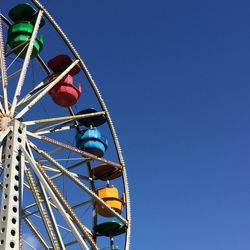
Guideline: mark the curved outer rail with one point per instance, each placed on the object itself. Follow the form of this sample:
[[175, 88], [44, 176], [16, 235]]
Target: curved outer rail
[[104, 107]]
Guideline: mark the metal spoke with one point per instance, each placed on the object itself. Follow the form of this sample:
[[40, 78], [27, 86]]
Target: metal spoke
[[69, 117], [32, 94], [53, 196], [16, 73], [26, 242], [73, 149], [36, 232], [21, 46], [17, 56], [78, 182], [46, 90], [69, 168], [43, 132], [41, 210], [55, 151], [52, 217], [39, 217], [26, 63]]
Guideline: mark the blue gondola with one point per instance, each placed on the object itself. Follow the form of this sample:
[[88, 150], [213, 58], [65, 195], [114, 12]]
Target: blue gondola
[[90, 141]]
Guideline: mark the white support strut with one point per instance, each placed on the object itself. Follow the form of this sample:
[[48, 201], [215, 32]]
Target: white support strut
[[12, 190], [26, 63], [47, 89], [55, 200]]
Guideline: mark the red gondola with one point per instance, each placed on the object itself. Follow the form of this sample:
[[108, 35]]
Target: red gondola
[[64, 93]]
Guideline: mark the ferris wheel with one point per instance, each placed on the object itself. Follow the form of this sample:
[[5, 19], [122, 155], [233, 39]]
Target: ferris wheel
[[63, 179]]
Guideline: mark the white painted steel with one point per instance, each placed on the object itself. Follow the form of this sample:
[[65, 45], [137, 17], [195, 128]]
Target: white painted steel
[[55, 200], [11, 195], [28, 101], [51, 214], [26, 63], [47, 89]]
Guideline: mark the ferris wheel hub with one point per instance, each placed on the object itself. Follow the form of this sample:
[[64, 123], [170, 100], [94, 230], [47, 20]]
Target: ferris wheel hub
[[4, 122]]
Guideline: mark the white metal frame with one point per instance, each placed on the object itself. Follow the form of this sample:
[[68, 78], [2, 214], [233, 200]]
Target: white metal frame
[[12, 189], [16, 155]]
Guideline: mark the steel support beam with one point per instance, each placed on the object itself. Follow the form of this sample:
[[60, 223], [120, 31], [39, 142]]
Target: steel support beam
[[12, 189]]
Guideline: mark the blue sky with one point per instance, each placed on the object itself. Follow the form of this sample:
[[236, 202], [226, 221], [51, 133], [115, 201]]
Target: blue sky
[[175, 76]]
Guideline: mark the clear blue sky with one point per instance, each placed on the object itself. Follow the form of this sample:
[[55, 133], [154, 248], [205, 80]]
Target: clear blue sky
[[176, 78]]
